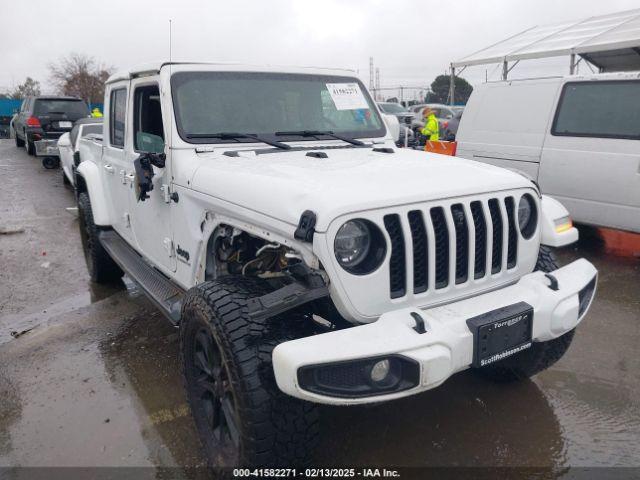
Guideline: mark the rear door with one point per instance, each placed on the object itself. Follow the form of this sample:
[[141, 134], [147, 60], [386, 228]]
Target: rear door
[[114, 162], [591, 156]]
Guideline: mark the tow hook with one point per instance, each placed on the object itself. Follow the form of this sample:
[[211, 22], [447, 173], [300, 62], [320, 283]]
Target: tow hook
[[420, 328], [553, 282]]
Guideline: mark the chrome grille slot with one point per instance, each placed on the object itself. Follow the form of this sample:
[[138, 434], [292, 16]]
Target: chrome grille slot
[[442, 246], [480, 224], [512, 245], [397, 269], [496, 221], [462, 242], [420, 255]]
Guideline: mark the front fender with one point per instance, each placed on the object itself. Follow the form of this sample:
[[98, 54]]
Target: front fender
[[557, 229], [99, 205]]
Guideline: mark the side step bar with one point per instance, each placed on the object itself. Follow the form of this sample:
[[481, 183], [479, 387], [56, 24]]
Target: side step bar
[[163, 292]]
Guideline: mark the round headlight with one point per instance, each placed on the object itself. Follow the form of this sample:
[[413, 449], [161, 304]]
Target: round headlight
[[352, 243], [527, 216], [360, 246]]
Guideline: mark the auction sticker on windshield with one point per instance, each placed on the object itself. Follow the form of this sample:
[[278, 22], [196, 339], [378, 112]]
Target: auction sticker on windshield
[[347, 96]]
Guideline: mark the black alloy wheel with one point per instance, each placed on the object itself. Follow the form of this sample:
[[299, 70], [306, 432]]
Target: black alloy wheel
[[212, 396]]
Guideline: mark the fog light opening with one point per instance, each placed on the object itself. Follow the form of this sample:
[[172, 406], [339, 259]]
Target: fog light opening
[[361, 377]]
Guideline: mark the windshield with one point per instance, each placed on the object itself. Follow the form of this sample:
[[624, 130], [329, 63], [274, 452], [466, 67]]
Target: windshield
[[457, 110], [265, 103], [75, 108], [392, 108]]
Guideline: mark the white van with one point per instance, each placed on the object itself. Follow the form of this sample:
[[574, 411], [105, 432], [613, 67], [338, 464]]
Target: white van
[[578, 136]]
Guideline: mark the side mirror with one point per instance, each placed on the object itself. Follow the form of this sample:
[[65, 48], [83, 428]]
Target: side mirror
[[144, 172], [149, 143], [393, 125]]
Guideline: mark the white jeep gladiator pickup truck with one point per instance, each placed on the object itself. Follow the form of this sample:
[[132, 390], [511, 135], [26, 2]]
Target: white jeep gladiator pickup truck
[[307, 260]]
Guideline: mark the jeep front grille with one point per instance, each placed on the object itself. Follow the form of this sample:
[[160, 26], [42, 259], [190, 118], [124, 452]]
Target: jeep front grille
[[459, 236]]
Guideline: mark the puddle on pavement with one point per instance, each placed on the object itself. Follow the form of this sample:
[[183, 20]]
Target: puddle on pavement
[[600, 420], [465, 422], [19, 322], [142, 359]]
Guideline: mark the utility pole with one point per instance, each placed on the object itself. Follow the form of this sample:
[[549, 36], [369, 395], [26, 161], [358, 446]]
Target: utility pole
[[377, 83], [452, 86], [371, 84]]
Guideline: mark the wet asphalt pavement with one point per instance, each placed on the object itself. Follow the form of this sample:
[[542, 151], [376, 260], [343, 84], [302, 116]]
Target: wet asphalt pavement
[[95, 380]]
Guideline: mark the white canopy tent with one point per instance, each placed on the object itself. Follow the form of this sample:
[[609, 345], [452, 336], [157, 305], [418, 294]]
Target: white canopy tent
[[610, 42]]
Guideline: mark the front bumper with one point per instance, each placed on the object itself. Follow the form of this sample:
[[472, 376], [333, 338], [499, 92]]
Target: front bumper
[[447, 345]]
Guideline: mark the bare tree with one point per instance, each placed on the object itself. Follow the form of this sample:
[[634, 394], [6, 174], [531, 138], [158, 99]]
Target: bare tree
[[28, 88], [81, 76]]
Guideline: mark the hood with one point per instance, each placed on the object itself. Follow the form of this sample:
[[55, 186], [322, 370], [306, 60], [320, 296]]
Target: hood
[[285, 184]]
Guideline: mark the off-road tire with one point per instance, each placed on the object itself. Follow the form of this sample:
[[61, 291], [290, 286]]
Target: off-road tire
[[101, 266], [274, 429], [541, 355], [19, 142], [547, 261]]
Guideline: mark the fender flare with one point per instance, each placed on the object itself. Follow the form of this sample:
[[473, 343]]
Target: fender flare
[[557, 229], [99, 205]]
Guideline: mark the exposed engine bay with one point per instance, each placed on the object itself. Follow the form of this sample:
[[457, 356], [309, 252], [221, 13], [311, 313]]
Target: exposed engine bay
[[235, 252]]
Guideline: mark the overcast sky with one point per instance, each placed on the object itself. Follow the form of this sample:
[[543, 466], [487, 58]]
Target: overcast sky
[[411, 41]]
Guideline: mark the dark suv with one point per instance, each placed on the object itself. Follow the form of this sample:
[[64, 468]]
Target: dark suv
[[45, 118]]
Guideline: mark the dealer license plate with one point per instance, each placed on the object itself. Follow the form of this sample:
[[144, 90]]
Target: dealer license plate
[[65, 124], [501, 333]]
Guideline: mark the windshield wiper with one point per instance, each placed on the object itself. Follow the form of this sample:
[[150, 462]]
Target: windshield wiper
[[316, 133], [236, 136]]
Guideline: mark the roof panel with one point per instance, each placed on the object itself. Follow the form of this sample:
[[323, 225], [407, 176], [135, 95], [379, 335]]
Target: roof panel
[[625, 36], [497, 52], [606, 32]]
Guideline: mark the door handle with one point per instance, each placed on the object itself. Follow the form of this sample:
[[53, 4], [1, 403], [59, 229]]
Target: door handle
[[109, 168]]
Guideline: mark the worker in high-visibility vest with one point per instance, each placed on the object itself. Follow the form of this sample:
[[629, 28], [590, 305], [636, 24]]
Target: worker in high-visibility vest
[[431, 128], [96, 113]]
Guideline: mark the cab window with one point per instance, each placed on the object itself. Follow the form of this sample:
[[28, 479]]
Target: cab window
[[117, 116]]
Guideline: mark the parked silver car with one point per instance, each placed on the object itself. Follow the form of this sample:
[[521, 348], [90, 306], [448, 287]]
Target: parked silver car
[[443, 113]]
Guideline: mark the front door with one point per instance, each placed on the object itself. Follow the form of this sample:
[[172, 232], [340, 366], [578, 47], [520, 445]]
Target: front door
[[150, 219]]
